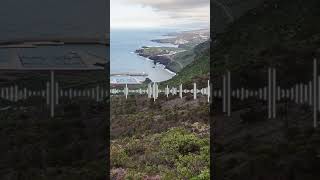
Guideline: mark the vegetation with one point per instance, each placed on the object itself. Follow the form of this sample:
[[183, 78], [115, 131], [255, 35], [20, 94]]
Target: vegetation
[[177, 58], [151, 139], [198, 70], [153, 51]]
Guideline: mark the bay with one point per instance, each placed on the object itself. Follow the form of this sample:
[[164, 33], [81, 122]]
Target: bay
[[124, 42]]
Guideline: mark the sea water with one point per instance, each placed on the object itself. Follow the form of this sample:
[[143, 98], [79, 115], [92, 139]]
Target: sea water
[[123, 59]]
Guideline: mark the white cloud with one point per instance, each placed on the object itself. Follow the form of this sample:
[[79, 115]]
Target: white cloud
[[198, 10], [149, 13], [172, 4]]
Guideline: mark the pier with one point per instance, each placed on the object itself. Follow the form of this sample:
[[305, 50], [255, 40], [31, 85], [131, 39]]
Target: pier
[[129, 74]]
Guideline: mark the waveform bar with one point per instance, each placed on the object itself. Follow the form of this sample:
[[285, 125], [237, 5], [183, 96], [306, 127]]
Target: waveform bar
[[153, 91], [226, 93], [15, 94], [300, 93], [315, 104]]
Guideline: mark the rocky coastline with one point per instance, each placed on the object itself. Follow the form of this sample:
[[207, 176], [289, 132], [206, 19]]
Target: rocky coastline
[[184, 41], [159, 57]]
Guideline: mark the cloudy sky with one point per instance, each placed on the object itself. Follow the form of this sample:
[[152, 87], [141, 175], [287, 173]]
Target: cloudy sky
[[150, 13], [23, 19]]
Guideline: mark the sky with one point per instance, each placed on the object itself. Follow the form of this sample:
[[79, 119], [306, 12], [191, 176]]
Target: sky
[[159, 13], [23, 19]]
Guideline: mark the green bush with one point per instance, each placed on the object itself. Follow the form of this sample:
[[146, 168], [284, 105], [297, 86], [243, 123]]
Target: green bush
[[135, 147], [118, 156], [178, 141], [204, 175], [133, 175], [188, 153]]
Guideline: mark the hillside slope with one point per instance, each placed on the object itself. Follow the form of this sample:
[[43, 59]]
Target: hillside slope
[[165, 139], [224, 12], [283, 34], [198, 70]]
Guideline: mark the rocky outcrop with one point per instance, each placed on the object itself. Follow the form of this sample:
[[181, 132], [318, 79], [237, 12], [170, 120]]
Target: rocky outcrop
[[165, 60], [140, 52], [157, 57]]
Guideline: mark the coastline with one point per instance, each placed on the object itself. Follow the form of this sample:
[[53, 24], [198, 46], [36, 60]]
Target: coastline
[[162, 65], [171, 72], [164, 60], [156, 59], [182, 41], [124, 59]]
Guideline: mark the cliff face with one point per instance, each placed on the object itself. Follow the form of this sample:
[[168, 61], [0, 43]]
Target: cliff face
[[198, 70], [160, 59]]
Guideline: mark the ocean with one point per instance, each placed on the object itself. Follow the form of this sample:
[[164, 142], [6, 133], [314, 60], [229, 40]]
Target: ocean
[[124, 42], [53, 57]]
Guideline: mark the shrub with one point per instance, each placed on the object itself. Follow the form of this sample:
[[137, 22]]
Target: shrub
[[134, 147], [178, 141], [133, 175], [204, 175], [118, 156], [188, 153]]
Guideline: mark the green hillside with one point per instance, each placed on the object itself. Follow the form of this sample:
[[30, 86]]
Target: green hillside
[[181, 60], [166, 139], [198, 69]]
